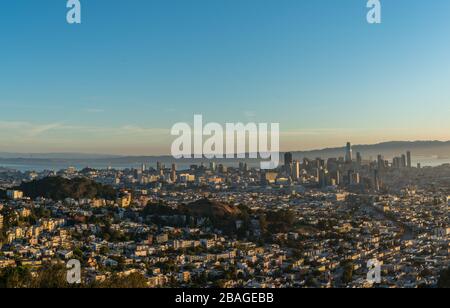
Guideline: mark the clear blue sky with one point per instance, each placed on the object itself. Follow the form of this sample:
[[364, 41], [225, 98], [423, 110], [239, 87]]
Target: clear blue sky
[[118, 82]]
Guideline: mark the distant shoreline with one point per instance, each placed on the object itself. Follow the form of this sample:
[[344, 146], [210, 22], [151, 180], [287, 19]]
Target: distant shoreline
[[427, 153], [182, 165]]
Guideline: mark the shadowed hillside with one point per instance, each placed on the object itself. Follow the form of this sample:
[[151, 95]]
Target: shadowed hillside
[[212, 209], [58, 188]]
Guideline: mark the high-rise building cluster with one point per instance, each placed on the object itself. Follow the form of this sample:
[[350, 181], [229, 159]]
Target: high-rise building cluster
[[343, 171], [403, 161]]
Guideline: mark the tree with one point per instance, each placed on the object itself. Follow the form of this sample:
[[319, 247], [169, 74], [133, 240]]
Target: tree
[[132, 281], [263, 223], [104, 250], [51, 277], [347, 275], [15, 277], [58, 188], [444, 279]]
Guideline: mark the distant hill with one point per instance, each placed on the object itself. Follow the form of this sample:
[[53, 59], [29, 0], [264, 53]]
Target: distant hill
[[430, 149], [387, 149], [58, 188]]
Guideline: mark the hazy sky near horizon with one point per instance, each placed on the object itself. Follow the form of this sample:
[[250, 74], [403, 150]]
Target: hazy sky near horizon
[[119, 81]]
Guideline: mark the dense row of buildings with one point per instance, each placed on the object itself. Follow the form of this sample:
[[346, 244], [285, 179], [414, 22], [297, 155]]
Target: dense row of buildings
[[341, 212]]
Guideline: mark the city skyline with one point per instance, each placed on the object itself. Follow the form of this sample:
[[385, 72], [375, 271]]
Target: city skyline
[[224, 151], [117, 83], [398, 146], [314, 223]]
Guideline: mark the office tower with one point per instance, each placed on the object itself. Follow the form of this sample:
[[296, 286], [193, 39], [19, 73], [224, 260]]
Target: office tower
[[359, 158], [323, 177], [173, 173], [348, 153], [380, 162], [296, 170], [397, 162], [403, 161], [317, 174], [288, 164], [376, 180], [287, 159], [213, 166], [349, 177], [143, 168], [408, 159]]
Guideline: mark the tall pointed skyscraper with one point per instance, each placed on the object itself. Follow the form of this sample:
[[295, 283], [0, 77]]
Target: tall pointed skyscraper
[[348, 153]]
